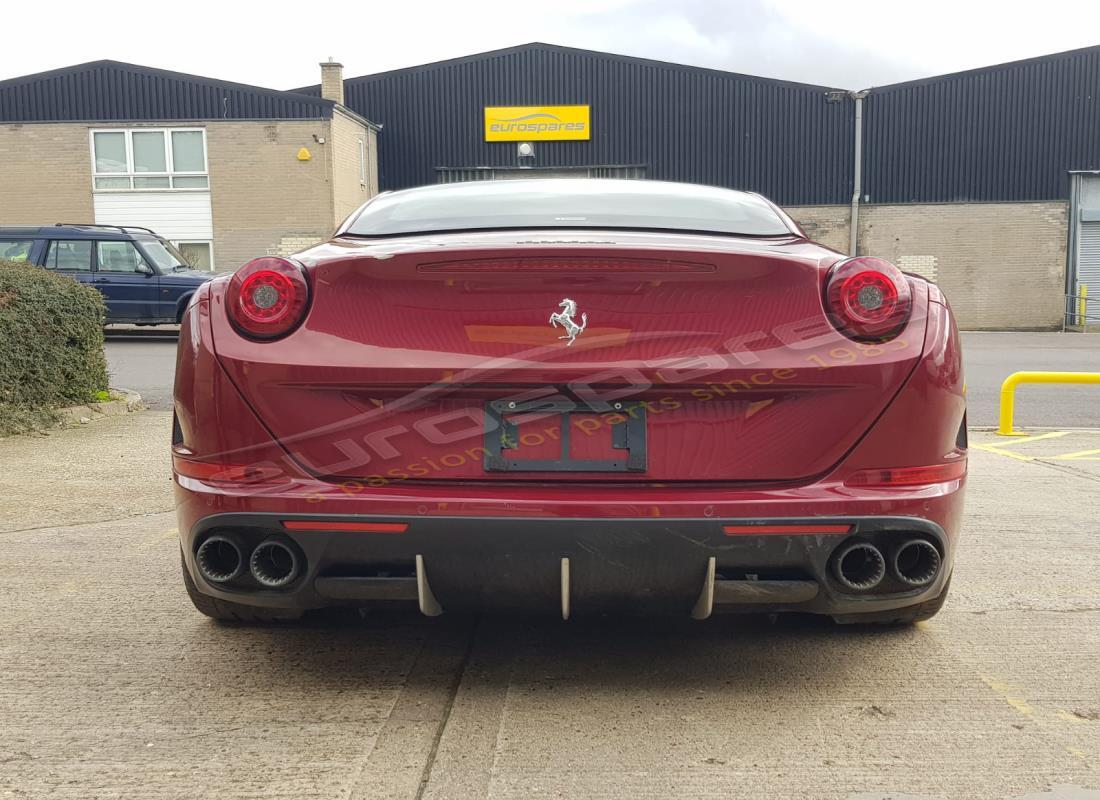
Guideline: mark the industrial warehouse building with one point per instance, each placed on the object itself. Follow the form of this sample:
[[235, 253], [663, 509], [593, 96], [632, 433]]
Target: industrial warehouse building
[[987, 181]]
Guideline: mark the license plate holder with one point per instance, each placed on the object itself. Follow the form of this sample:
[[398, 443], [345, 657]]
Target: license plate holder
[[501, 436]]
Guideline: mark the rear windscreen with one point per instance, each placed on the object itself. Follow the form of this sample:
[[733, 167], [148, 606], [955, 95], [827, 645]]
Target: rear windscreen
[[15, 249], [565, 203]]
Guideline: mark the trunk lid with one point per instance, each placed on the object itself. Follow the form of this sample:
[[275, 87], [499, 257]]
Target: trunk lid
[[721, 344]]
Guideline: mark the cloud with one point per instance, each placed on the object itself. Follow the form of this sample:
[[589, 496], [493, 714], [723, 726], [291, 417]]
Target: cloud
[[846, 43], [752, 37]]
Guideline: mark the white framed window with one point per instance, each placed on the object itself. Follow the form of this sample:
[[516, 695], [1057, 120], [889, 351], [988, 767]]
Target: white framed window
[[144, 159], [198, 255], [362, 162]]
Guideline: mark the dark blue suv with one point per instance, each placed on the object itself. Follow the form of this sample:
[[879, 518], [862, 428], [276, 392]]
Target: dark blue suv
[[142, 277]]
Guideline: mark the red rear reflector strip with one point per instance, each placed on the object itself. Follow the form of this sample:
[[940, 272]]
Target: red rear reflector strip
[[734, 529], [226, 473], [909, 476], [356, 527]]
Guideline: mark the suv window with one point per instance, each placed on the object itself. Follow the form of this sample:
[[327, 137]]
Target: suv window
[[118, 257], [70, 255], [15, 250], [162, 254]]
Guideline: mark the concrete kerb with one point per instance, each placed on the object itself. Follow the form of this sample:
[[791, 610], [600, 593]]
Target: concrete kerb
[[121, 401]]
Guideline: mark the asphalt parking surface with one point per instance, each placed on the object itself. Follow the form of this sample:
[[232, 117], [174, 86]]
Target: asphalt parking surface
[[113, 686], [143, 359], [989, 358]]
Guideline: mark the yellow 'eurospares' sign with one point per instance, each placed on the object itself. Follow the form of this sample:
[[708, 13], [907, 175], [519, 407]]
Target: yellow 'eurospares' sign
[[536, 123]]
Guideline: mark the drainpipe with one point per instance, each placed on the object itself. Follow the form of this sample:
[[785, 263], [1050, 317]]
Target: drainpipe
[[857, 177]]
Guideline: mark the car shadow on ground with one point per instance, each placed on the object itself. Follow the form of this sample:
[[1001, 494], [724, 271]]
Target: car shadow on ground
[[727, 651]]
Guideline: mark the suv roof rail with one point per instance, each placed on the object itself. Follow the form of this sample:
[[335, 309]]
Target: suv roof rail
[[122, 228]]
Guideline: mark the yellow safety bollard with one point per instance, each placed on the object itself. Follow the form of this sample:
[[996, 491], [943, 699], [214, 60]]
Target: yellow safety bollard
[[1083, 306], [1008, 391]]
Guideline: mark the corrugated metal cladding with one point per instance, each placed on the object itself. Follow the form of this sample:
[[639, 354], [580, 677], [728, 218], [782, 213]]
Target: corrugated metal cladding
[[681, 123], [108, 90], [1004, 133]]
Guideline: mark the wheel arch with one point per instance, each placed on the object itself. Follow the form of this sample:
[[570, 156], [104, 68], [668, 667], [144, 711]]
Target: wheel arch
[[182, 303]]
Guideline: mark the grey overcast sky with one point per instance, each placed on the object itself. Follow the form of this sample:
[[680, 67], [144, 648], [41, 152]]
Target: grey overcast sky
[[846, 43]]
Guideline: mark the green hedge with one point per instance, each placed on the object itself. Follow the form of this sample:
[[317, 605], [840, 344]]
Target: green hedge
[[51, 344]]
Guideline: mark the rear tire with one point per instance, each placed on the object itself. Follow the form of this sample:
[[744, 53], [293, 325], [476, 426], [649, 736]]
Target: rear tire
[[226, 611], [909, 615]]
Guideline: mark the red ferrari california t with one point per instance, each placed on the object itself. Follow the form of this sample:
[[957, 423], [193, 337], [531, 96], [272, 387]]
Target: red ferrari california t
[[570, 396]]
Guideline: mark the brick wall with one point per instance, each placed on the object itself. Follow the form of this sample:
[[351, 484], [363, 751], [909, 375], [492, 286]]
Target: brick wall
[[827, 225], [261, 194], [45, 174], [1002, 265], [332, 81], [348, 187], [294, 243]]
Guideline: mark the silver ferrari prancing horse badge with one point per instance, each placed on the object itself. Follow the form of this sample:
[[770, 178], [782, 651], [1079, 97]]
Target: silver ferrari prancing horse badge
[[565, 319]]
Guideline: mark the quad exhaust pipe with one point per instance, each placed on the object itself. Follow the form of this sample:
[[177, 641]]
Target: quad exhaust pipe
[[916, 562], [274, 564], [220, 558], [859, 566]]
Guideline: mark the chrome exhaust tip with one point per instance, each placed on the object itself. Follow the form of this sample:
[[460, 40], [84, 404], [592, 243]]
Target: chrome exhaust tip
[[859, 566], [916, 562], [274, 564], [220, 558]]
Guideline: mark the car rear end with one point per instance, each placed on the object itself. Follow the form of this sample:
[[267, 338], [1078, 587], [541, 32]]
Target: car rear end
[[750, 424]]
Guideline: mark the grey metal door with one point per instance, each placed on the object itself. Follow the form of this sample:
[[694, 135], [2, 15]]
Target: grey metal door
[[1088, 264]]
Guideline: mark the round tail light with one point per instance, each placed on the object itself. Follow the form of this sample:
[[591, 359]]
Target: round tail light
[[267, 298], [867, 299]]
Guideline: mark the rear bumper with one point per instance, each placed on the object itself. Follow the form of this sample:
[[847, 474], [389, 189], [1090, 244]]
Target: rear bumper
[[572, 565]]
